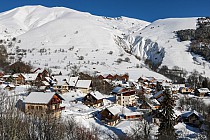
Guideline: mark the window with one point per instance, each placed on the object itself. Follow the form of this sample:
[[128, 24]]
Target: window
[[32, 107], [40, 107]]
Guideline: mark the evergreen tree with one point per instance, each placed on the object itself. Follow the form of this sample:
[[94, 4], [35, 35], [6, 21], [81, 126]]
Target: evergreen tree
[[166, 129], [205, 83]]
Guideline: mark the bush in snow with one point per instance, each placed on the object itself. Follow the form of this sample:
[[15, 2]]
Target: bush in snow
[[119, 60], [127, 59], [111, 52], [81, 58]]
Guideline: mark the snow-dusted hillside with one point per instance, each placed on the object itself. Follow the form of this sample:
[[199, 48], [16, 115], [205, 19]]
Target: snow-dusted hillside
[[58, 38], [159, 43]]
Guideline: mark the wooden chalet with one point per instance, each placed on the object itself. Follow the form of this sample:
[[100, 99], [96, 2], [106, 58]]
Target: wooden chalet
[[185, 90], [31, 79], [101, 77], [201, 92], [110, 116], [176, 87], [61, 85], [109, 77], [93, 99], [20, 80], [149, 104], [41, 103], [191, 118], [146, 79], [84, 85], [133, 115], [1, 74]]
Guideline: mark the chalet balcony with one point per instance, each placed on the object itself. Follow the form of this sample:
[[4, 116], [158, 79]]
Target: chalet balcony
[[55, 102], [107, 120], [55, 110]]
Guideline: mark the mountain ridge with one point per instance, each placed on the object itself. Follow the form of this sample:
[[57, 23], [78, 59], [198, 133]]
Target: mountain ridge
[[58, 30]]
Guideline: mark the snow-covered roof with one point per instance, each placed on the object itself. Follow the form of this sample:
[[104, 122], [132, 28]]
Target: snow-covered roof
[[114, 110], [83, 83], [159, 80], [177, 86], [15, 75], [203, 90], [42, 87], [188, 113], [30, 76], [157, 94], [164, 84], [155, 102], [97, 95], [61, 80], [48, 79], [6, 76], [40, 97], [7, 85], [45, 83], [72, 81], [128, 112], [117, 89], [160, 99]]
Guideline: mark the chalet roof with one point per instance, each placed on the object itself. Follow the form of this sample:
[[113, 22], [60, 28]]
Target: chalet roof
[[177, 86], [128, 112], [45, 83], [6, 76], [83, 83], [165, 84], [159, 80], [97, 95], [42, 87], [114, 110], [15, 75], [155, 102], [7, 85], [73, 81], [30, 76], [61, 80], [160, 99], [150, 78], [203, 90], [158, 93], [40, 97], [48, 79], [117, 89], [127, 93], [189, 113]]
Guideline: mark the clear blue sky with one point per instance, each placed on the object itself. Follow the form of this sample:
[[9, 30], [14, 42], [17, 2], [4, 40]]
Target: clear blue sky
[[148, 10]]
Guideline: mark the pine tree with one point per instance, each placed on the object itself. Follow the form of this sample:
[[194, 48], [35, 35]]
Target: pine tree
[[166, 129]]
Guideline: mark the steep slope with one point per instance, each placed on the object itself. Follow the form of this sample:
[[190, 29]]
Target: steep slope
[[58, 38], [159, 43]]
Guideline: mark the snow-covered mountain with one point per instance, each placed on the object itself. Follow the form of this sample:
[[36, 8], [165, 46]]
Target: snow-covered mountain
[[60, 37]]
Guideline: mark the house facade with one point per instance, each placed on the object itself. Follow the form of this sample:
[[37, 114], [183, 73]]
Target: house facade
[[93, 99], [201, 92], [40, 103], [192, 118], [127, 98], [84, 85], [110, 116]]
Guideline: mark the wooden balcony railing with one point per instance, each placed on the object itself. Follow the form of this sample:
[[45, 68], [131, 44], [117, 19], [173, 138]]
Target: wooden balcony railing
[[55, 110]]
